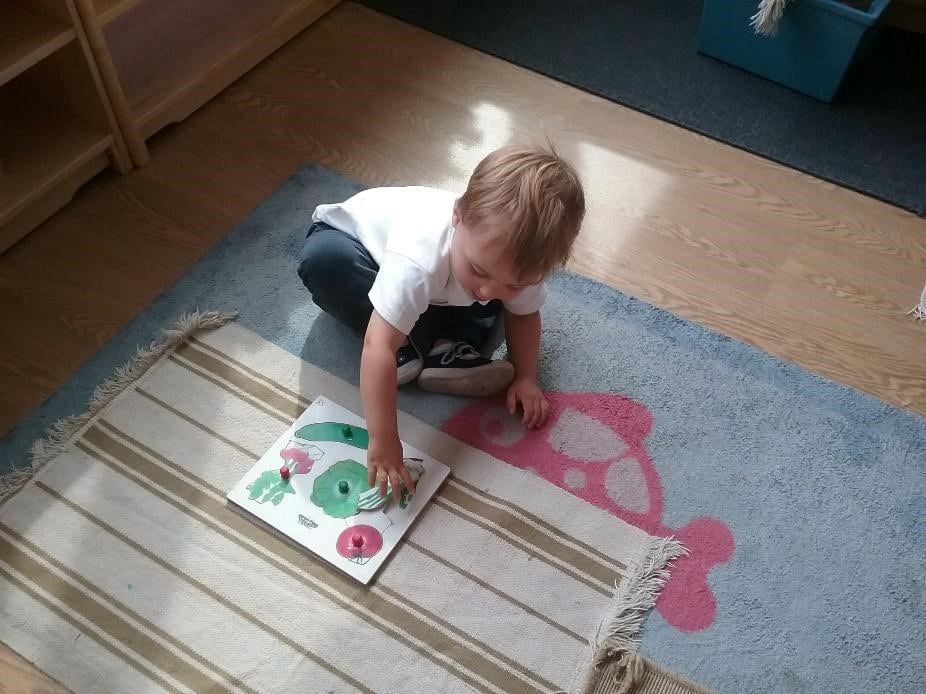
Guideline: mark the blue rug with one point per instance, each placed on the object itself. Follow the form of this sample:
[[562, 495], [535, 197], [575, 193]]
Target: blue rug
[[802, 501]]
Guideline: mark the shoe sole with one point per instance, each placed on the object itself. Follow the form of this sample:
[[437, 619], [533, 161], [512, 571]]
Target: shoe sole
[[408, 372], [476, 382]]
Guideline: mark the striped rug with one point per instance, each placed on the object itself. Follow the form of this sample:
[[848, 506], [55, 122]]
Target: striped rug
[[123, 570]]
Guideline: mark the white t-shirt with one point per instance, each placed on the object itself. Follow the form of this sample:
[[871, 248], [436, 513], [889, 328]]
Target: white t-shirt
[[408, 232]]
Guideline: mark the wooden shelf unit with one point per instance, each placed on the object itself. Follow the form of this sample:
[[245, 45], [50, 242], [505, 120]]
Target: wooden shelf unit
[[42, 146], [108, 10], [27, 36], [119, 70], [57, 128], [172, 56]]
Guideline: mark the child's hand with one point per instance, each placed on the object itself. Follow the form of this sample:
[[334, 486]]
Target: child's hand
[[533, 402], [384, 465]]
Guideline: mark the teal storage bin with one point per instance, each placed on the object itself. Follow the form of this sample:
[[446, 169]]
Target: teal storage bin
[[817, 41]]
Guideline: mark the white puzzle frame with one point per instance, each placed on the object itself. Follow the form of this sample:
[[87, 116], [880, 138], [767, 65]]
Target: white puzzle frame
[[329, 533]]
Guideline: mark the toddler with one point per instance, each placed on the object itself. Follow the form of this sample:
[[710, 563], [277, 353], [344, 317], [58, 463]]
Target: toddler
[[424, 274]]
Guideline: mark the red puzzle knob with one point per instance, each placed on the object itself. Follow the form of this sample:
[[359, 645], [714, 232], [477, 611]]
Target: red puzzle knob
[[359, 543], [284, 472]]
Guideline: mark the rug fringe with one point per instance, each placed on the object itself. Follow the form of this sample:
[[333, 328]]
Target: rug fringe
[[61, 432], [634, 598], [919, 312]]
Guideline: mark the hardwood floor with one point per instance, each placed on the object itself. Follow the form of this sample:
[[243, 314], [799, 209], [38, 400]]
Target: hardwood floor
[[17, 676], [807, 271]]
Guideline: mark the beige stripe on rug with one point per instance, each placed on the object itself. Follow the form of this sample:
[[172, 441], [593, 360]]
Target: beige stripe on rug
[[123, 570]]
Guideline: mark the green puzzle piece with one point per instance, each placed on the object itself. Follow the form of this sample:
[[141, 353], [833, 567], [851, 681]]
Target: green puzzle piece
[[337, 490], [270, 487], [335, 431]]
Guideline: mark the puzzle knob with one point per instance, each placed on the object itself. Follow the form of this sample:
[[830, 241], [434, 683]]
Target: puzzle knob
[[347, 431], [357, 540], [284, 472], [343, 487]]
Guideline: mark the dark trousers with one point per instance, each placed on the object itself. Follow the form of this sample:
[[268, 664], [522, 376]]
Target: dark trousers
[[339, 273]]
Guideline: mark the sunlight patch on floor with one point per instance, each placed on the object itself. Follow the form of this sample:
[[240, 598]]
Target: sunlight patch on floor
[[492, 127]]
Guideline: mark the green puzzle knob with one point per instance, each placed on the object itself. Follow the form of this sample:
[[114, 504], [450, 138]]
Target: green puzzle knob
[[343, 487]]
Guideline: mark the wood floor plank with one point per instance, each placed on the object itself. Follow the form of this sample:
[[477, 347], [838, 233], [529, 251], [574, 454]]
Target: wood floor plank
[[18, 676]]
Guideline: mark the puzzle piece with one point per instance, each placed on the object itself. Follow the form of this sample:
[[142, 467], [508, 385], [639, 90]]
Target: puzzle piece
[[338, 488], [371, 500], [270, 487], [335, 432]]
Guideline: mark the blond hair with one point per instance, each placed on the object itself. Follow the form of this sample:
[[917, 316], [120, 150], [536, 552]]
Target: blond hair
[[536, 200]]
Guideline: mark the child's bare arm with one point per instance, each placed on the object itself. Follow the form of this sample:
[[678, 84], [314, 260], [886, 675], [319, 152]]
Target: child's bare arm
[[523, 336], [378, 393]]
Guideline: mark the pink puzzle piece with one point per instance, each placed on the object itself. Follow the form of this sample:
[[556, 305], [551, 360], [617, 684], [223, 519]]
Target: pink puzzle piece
[[594, 446]]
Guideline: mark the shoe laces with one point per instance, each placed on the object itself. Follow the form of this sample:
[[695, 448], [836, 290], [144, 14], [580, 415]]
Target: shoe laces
[[459, 350]]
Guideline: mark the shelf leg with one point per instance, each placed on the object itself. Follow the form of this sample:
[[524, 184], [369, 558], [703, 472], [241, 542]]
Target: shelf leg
[[133, 140]]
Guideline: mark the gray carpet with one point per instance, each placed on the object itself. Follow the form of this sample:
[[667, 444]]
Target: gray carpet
[[643, 54], [803, 502]]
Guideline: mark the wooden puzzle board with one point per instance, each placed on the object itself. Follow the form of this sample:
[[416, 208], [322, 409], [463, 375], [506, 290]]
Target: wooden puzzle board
[[324, 502]]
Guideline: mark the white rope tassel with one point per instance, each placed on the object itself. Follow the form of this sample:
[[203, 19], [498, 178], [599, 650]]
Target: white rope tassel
[[634, 598], [919, 312], [765, 21]]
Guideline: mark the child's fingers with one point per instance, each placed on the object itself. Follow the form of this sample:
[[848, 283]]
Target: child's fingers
[[541, 411], [537, 414], [544, 411], [512, 400], [396, 481], [528, 406], [383, 479]]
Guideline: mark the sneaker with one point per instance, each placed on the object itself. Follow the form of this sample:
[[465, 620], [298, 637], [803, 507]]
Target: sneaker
[[458, 369], [408, 363]]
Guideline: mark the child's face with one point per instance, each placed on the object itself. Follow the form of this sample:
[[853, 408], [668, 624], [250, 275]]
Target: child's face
[[479, 262]]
